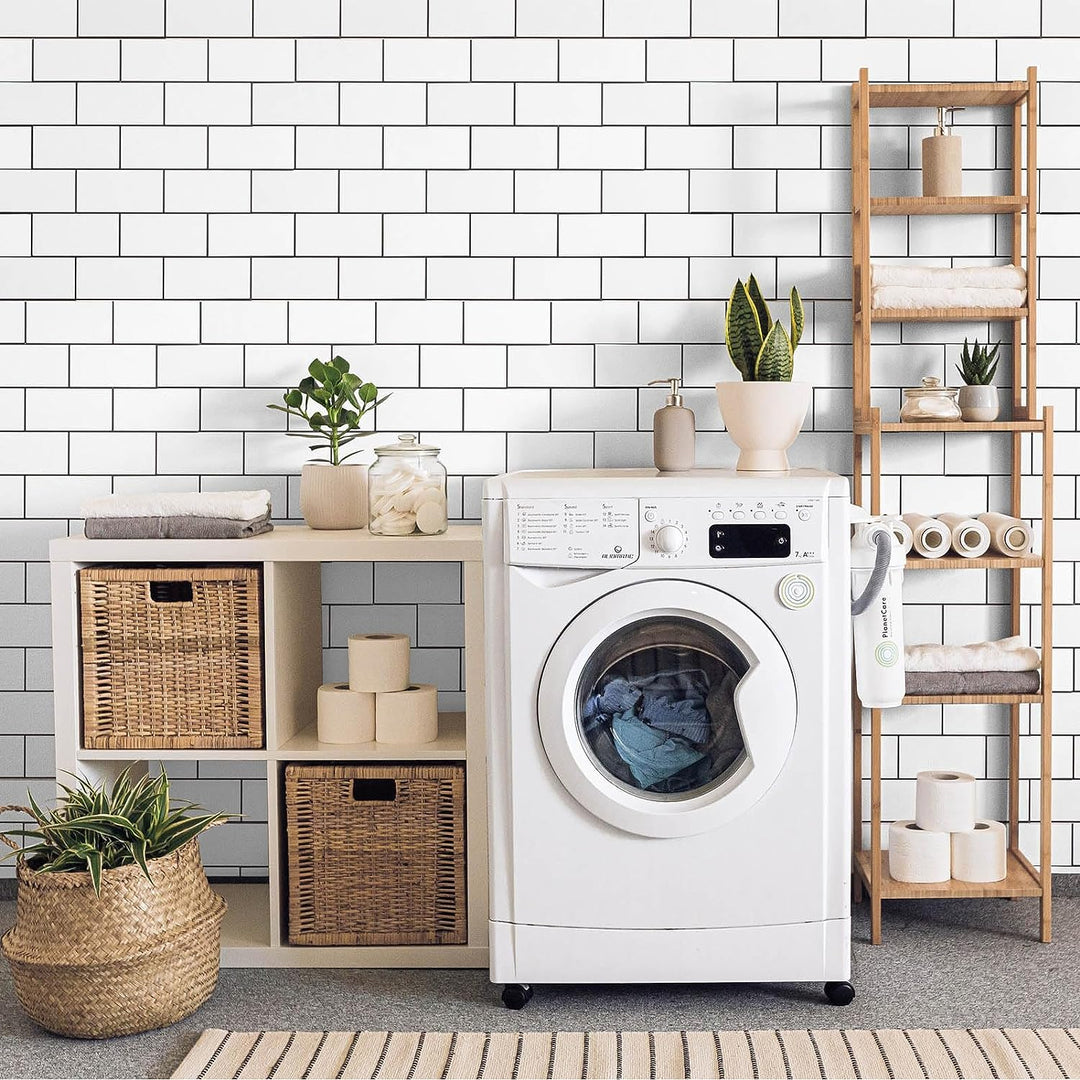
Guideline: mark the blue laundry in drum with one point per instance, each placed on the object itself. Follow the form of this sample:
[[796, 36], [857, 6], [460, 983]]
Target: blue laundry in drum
[[651, 754], [687, 718], [616, 697]]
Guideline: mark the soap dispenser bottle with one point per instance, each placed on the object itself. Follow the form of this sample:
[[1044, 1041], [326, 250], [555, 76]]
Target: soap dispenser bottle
[[673, 431]]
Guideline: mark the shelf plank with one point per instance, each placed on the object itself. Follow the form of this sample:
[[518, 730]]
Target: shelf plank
[[905, 205], [986, 562], [956, 314], [191, 754], [1018, 881], [973, 699], [926, 95], [449, 746], [866, 427]]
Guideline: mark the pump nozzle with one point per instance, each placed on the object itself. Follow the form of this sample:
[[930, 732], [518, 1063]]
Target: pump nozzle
[[674, 398]]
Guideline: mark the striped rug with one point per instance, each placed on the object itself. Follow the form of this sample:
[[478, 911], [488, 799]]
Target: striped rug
[[996, 1053]]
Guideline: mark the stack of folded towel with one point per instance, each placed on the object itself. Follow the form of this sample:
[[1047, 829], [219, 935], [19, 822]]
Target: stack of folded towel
[[185, 515], [945, 287], [988, 667]]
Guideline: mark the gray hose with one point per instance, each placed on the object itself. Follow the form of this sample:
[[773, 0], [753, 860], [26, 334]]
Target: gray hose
[[877, 576]]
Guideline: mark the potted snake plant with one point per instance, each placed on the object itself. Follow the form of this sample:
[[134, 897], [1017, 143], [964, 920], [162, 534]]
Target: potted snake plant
[[978, 396], [764, 410], [117, 930]]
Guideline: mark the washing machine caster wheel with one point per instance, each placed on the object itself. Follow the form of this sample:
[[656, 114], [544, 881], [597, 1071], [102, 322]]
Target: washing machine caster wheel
[[517, 995], [840, 993]]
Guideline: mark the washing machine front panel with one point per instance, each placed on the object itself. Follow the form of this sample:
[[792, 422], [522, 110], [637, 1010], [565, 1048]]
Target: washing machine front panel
[[666, 708]]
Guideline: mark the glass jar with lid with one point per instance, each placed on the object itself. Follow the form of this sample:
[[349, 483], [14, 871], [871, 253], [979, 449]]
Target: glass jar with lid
[[407, 489], [930, 402]]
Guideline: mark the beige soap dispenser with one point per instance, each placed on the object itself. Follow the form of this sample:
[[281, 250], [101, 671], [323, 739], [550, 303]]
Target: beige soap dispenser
[[942, 156], [673, 431]]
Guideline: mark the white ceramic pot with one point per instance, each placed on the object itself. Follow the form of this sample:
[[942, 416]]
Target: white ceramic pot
[[334, 496], [979, 403], [763, 420]]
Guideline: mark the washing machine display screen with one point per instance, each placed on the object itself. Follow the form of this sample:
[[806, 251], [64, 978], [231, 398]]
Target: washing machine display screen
[[749, 541]]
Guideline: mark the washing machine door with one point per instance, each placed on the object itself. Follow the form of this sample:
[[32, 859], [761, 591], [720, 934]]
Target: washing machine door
[[667, 708]]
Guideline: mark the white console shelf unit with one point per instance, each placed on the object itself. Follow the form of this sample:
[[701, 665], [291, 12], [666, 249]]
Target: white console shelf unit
[[255, 932]]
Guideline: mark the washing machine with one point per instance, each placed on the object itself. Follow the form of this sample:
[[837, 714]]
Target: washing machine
[[668, 717]]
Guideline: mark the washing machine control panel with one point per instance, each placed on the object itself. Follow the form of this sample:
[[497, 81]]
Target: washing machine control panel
[[573, 532]]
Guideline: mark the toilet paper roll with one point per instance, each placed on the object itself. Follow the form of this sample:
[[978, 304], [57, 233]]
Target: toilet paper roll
[[917, 855], [902, 531], [978, 854], [970, 537], [945, 801], [344, 715], [378, 663], [1008, 535], [928, 536], [409, 716]]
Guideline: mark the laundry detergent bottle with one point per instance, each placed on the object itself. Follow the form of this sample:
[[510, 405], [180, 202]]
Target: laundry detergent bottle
[[878, 619], [673, 431]]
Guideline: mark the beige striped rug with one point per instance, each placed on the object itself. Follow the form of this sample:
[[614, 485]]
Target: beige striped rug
[[995, 1053]]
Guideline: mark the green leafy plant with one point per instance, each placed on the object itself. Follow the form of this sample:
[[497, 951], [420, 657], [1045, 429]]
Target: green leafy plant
[[94, 829], [762, 350], [332, 401], [978, 366]]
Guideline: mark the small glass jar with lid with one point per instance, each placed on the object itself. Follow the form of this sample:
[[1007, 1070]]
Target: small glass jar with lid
[[407, 489], [930, 402]]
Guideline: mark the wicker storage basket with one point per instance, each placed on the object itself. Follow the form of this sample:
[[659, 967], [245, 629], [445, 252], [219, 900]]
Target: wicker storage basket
[[171, 657], [376, 854], [140, 956]]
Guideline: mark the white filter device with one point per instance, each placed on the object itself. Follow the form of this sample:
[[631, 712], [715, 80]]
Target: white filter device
[[879, 624]]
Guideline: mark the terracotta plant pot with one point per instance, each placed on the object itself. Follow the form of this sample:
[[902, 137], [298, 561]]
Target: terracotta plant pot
[[334, 496], [763, 420], [979, 404]]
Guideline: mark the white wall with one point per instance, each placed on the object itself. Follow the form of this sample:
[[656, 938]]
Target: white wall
[[512, 216]]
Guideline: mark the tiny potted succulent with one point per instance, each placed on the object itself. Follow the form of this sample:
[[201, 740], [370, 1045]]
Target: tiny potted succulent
[[116, 930], [978, 396], [331, 402], [764, 412]]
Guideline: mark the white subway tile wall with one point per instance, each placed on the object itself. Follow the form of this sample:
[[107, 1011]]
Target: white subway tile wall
[[513, 215]]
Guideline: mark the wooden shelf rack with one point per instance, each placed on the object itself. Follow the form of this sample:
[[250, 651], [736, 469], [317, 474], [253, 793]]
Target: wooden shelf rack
[[871, 865]]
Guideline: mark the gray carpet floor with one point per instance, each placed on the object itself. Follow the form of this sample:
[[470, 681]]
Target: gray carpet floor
[[953, 963]]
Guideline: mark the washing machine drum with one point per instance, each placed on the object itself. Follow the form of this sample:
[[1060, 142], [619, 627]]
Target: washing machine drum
[[667, 708]]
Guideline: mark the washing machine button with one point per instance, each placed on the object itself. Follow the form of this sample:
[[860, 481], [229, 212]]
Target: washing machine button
[[795, 591], [780, 515], [650, 515], [718, 515], [804, 515], [739, 515], [759, 515]]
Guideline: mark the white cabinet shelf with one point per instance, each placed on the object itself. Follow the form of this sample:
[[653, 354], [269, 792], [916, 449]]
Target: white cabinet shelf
[[255, 933]]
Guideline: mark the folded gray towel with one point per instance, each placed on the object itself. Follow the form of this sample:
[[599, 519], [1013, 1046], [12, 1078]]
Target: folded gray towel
[[937, 683], [176, 527]]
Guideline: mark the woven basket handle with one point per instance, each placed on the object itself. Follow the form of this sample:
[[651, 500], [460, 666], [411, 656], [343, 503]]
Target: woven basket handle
[[22, 810]]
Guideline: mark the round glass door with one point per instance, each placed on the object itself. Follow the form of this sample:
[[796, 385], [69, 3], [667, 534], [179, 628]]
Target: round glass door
[[656, 707]]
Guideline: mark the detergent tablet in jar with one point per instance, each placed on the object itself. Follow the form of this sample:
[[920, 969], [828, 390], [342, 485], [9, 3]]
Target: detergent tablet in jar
[[407, 489]]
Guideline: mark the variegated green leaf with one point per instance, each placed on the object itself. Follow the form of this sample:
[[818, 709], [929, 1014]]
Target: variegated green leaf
[[774, 361], [742, 330], [753, 289], [798, 319]]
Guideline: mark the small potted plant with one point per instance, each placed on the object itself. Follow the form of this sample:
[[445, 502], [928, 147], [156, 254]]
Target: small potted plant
[[117, 930], [331, 401], [978, 396], [764, 412]]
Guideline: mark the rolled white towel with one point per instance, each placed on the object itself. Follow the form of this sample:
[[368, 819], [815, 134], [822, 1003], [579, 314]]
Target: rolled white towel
[[907, 297], [234, 505], [1008, 654], [948, 277]]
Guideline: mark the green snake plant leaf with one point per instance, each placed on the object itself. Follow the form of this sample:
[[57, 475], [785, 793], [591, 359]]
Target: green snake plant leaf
[[742, 331], [798, 319], [760, 306], [774, 361]]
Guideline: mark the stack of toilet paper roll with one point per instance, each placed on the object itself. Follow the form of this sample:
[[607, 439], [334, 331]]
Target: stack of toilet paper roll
[[379, 702], [966, 535], [946, 840]]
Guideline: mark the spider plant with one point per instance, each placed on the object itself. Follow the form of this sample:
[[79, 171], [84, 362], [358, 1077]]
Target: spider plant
[[94, 829]]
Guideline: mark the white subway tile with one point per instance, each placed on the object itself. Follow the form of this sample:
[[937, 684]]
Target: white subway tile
[[13, 323], [163, 234], [209, 18], [715, 18], [294, 103], [423, 321], [426, 148], [44, 18], [141, 321], [383, 103], [75, 60], [471, 18], [208, 103], [339, 60], [113, 365], [17, 60], [15, 147], [777, 148], [992, 18], [588, 409], [37, 278], [112, 452], [156, 410], [507, 321], [76, 234], [122, 18], [250, 234], [696, 60], [514, 148], [299, 278], [68, 410], [251, 148], [813, 190], [338, 234], [469, 278], [732, 103], [689, 147], [549, 450], [550, 365], [199, 365], [411, 410], [363, 18], [426, 60], [682, 321], [507, 410], [601, 148], [284, 18], [930, 58], [77, 147], [163, 60], [338, 147], [33, 365], [426, 234], [121, 103], [385, 190], [586, 321], [202, 191], [309, 191], [253, 60], [48, 452], [601, 234], [635, 365], [15, 234], [555, 103], [62, 496], [470, 103], [649, 278], [379, 279], [759, 59], [463, 365], [919, 18], [560, 278], [839, 18], [336, 320], [643, 18], [161, 148], [688, 234], [120, 279], [639, 191], [203, 451], [612, 60], [68, 321], [243, 321], [208, 279], [461, 191], [775, 234], [560, 18], [646, 103], [508, 60], [514, 234], [1060, 18], [841, 60]]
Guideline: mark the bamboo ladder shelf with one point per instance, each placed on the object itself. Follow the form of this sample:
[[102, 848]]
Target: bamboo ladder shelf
[[871, 865]]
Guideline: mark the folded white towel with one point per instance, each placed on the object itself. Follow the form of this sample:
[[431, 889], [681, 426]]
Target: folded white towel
[[907, 297], [1008, 654], [235, 505], [948, 277]]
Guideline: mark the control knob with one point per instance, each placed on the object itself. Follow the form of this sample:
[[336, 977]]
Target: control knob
[[669, 539]]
